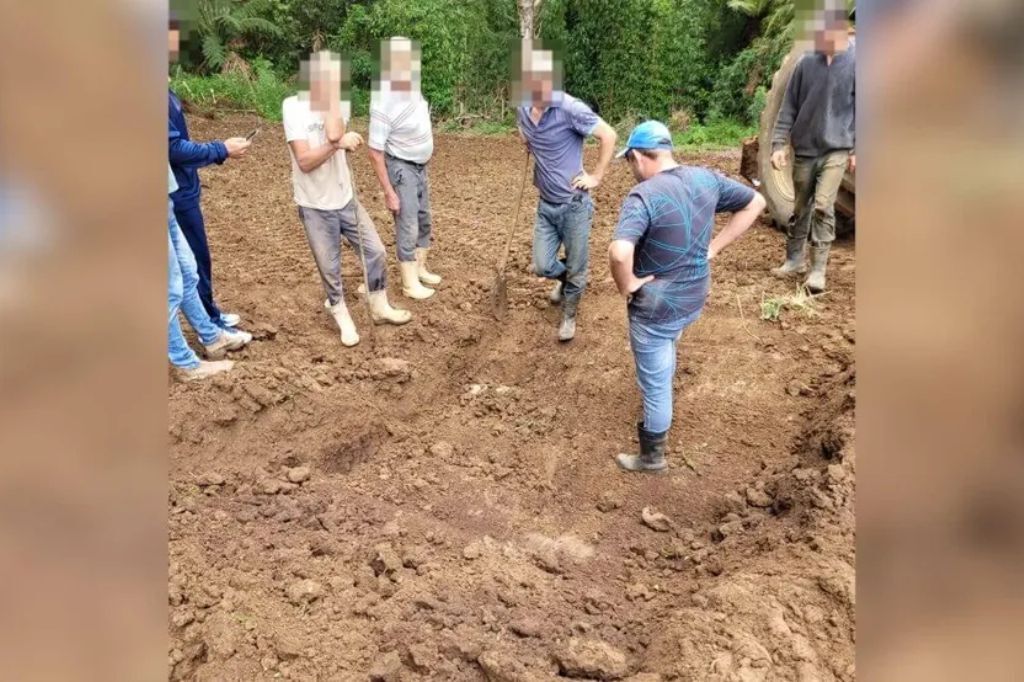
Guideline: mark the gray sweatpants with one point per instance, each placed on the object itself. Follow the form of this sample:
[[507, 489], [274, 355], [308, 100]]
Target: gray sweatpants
[[412, 224], [324, 230]]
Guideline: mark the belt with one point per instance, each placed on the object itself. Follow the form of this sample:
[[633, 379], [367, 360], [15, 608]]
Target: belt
[[411, 163]]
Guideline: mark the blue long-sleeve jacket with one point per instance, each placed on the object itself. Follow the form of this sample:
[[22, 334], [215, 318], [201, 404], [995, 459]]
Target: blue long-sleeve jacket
[[186, 156]]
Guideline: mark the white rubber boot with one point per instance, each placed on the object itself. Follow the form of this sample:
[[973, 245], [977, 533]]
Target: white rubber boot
[[382, 312], [349, 336], [426, 276], [411, 285]]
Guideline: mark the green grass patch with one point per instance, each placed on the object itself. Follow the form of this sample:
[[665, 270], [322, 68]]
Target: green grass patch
[[478, 127], [263, 92], [714, 135]]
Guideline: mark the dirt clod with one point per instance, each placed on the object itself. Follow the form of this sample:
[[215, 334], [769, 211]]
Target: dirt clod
[[593, 659], [655, 520], [387, 668], [442, 450], [385, 560], [499, 666], [222, 635], [758, 498], [287, 647], [211, 478], [298, 474], [304, 591], [392, 368], [609, 501]]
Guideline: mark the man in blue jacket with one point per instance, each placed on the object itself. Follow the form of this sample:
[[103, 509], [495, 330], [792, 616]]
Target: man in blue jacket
[[186, 158]]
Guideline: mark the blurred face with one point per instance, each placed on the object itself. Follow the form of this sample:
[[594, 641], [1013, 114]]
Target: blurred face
[[173, 44], [400, 69], [324, 81], [833, 38], [540, 85]]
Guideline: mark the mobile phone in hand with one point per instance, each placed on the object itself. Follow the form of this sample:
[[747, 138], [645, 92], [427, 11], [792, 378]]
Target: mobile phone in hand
[[252, 134]]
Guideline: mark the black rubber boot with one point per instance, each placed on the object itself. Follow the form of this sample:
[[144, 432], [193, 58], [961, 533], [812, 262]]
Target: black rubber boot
[[815, 282], [796, 259], [652, 453], [556, 294]]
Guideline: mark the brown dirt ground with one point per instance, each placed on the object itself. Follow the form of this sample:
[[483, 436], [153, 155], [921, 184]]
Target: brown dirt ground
[[463, 518]]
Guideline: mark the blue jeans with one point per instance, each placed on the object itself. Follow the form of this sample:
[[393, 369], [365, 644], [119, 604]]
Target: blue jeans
[[654, 351], [183, 294], [190, 219], [564, 224]]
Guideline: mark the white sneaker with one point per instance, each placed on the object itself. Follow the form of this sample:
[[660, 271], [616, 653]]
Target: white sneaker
[[229, 339], [339, 311], [205, 370], [230, 319], [411, 285], [382, 312], [425, 275]]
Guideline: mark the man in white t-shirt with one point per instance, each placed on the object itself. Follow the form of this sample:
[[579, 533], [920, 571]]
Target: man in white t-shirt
[[314, 127], [401, 144]]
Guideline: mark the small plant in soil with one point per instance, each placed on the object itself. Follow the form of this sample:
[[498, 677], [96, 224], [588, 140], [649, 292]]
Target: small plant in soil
[[799, 301]]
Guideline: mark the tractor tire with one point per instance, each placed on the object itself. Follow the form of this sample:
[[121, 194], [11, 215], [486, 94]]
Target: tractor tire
[[777, 185]]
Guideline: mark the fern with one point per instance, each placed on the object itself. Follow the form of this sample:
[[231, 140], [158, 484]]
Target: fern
[[213, 50]]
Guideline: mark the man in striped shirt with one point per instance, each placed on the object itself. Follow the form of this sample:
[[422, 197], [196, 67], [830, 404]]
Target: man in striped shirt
[[401, 143]]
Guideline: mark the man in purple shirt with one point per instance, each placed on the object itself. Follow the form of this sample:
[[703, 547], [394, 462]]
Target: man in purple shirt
[[554, 125]]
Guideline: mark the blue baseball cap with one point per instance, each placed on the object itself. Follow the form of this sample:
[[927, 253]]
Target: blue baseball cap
[[648, 135]]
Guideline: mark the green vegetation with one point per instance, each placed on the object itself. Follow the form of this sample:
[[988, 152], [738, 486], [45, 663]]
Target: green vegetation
[[224, 26], [701, 65], [261, 91], [717, 134], [799, 301]]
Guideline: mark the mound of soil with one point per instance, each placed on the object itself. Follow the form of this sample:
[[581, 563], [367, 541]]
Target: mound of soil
[[444, 504]]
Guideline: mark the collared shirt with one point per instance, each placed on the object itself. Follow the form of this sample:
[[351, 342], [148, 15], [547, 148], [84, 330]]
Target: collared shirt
[[400, 126], [818, 114], [556, 142], [669, 218]]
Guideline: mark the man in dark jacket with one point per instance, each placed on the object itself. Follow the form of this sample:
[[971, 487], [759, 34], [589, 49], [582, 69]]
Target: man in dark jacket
[[817, 118], [186, 158]]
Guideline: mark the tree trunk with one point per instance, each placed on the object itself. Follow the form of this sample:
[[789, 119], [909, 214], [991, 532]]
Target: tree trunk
[[528, 10]]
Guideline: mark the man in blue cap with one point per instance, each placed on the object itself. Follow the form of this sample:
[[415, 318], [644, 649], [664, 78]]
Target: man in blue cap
[[660, 259]]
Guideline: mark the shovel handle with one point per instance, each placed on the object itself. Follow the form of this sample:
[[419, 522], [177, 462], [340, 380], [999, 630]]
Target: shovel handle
[[515, 221], [362, 251]]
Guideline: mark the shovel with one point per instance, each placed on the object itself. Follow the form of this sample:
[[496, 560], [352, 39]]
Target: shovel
[[361, 216], [499, 292]]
